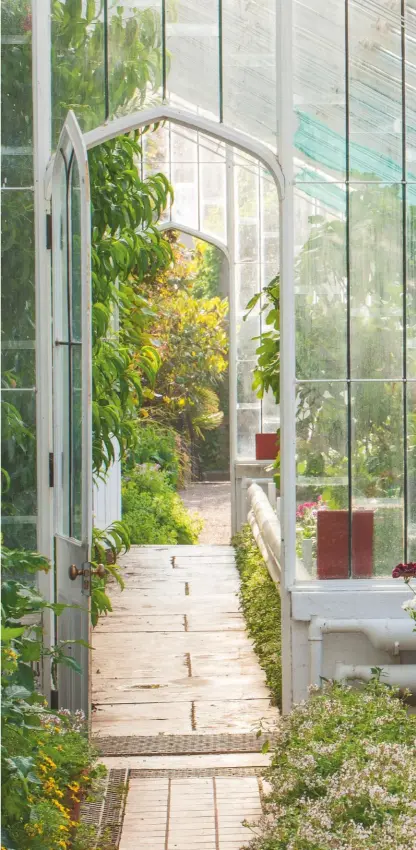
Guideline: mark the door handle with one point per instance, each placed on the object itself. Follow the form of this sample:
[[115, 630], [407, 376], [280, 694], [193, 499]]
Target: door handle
[[74, 571]]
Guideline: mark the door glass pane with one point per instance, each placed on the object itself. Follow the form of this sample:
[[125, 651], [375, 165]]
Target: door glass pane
[[75, 254], [76, 353], [76, 442]]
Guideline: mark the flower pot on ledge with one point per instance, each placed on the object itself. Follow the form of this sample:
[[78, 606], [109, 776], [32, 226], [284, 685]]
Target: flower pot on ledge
[[267, 446], [333, 544]]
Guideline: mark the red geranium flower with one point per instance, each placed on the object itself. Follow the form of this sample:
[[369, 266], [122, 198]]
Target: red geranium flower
[[403, 570]]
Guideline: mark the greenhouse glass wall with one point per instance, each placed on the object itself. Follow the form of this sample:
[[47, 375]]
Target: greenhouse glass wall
[[288, 132]]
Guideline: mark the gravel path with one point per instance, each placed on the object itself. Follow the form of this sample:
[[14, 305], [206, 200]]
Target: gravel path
[[213, 503]]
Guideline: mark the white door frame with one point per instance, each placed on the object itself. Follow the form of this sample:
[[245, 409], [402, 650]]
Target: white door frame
[[284, 186]]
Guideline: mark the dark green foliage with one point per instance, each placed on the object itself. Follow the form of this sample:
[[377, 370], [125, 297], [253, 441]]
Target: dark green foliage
[[260, 600], [127, 249], [156, 444], [154, 513]]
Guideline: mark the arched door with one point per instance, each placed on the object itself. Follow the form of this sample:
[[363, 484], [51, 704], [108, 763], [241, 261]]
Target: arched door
[[71, 339]]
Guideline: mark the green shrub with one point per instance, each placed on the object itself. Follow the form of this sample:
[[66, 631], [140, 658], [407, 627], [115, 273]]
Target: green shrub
[[154, 513], [47, 762], [260, 600], [160, 445], [343, 775]]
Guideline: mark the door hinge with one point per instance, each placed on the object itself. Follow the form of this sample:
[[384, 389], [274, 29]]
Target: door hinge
[[51, 466], [49, 231]]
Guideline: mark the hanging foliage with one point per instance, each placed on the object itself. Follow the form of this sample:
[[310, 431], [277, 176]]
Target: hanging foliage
[[127, 249]]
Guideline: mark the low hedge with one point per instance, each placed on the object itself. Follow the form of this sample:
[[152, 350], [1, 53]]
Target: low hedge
[[260, 600], [154, 513], [343, 775]]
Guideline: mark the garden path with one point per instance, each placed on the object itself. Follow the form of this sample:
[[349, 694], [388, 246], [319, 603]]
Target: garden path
[[178, 696], [213, 502]]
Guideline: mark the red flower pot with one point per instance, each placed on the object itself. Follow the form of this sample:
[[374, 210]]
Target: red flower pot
[[267, 446], [333, 546]]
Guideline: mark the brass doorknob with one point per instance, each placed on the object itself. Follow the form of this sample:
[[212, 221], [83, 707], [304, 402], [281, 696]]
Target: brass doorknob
[[75, 571]]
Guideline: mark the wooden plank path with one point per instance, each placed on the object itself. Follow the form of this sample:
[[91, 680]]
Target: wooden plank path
[[172, 663]]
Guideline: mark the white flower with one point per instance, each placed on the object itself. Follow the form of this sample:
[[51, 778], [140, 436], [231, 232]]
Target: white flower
[[410, 604]]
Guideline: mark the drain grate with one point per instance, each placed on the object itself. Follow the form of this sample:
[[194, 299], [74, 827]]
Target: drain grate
[[181, 745], [142, 773], [106, 815]]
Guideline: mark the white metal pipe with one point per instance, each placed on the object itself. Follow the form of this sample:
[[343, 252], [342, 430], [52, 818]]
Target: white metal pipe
[[399, 675], [390, 635]]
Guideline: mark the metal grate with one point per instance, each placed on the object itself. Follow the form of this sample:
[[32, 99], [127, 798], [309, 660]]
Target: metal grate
[[106, 814], [178, 745], [172, 773]]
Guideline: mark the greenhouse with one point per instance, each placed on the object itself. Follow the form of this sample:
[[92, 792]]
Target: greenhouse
[[208, 419]]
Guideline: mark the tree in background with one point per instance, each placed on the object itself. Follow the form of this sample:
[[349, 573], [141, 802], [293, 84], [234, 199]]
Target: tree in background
[[190, 333]]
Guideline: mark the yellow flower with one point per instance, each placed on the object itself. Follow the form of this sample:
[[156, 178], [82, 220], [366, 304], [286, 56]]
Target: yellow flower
[[62, 844], [63, 827], [74, 786], [50, 762], [61, 808]]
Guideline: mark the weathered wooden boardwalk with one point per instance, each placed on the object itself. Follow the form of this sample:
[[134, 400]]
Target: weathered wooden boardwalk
[[178, 696]]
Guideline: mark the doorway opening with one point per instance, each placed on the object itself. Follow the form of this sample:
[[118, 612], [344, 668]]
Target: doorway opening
[[227, 200]]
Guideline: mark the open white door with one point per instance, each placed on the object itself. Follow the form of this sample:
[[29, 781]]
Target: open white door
[[72, 421]]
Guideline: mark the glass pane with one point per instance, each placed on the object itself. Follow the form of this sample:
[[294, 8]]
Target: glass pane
[[77, 64], [246, 337], [18, 449], [322, 481], [20, 533], [134, 55], [76, 443], [183, 144], [410, 89], [248, 425], [16, 67], [411, 287], [156, 146], [411, 469], [245, 392], [320, 288], [212, 199], [319, 90], [192, 42], [62, 389], [18, 364], [76, 281], [269, 203], [376, 269], [249, 75], [377, 466], [247, 284], [17, 251], [375, 97]]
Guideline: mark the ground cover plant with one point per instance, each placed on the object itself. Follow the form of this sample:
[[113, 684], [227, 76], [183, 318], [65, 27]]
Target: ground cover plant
[[260, 601], [47, 762], [153, 512], [343, 775]]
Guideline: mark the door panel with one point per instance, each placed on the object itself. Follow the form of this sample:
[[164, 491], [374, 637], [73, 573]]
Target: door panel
[[71, 276]]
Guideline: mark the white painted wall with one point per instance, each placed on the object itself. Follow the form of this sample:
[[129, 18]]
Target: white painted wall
[[107, 498]]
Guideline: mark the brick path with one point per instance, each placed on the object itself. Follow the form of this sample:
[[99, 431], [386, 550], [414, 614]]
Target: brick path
[[178, 696]]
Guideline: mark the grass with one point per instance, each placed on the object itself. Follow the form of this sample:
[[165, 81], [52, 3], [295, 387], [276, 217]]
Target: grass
[[260, 600]]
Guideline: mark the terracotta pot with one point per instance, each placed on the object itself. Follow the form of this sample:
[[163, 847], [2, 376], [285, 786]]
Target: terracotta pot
[[333, 545], [267, 446]]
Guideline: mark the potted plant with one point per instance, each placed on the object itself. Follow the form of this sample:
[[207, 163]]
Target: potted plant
[[333, 544], [267, 446]]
